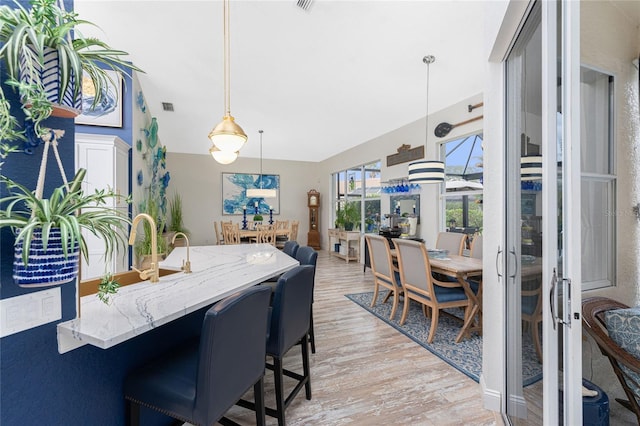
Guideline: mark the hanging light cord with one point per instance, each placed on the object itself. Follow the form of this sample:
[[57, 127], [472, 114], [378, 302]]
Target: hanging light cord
[[429, 59], [227, 79], [260, 131]]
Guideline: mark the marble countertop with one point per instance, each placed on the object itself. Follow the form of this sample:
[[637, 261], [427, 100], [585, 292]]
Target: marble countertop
[[218, 271]]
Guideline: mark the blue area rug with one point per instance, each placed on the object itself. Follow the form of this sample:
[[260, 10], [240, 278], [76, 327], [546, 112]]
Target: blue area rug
[[465, 356]]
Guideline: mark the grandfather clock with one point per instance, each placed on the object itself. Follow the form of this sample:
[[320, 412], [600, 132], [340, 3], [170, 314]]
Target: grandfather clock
[[313, 202]]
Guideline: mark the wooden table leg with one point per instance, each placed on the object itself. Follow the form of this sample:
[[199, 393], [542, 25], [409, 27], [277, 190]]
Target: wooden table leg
[[474, 308]]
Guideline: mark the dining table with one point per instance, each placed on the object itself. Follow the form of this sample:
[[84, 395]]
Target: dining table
[[253, 233], [462, 268]]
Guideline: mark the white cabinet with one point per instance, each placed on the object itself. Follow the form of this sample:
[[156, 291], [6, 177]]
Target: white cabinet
[[106, 158]]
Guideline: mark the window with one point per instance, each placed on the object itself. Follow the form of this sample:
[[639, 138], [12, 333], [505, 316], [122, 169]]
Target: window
[[463, 185], [598, 180], [359, 184]]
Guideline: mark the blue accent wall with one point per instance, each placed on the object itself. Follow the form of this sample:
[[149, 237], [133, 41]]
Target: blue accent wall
[[39, 386]]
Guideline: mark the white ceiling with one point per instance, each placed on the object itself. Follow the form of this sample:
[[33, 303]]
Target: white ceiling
[[317, 82]]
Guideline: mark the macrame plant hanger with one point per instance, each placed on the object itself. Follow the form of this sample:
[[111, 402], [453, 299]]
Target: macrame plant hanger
[[50, 140]]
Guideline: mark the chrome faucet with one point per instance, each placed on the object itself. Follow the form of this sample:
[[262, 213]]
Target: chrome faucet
[[186, 266], [153, 273]]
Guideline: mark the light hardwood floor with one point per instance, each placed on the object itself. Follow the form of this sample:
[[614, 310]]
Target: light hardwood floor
[[366, 373]]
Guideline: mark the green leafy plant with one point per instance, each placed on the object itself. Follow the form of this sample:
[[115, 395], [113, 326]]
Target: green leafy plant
[[68, 209], [176, 224], [25, 36], [351, 211], [258, 218], [143, 246], [107, 288]]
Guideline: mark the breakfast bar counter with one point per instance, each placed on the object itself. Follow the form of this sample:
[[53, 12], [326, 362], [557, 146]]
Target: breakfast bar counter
[[218, 271]]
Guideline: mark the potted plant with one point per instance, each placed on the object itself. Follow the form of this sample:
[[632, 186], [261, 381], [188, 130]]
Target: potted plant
[[49, 231], [351, 211], [176, 222], [143, 246], [107, 288], [38, 40]]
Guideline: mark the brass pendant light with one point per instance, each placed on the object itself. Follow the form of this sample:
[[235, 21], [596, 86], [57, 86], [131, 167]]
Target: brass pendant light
[[227, 136]]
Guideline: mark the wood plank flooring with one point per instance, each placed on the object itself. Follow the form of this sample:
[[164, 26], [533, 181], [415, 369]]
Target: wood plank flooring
[[366, 373]]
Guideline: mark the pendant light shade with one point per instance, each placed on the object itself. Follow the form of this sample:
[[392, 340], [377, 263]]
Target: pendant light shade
[[223, 157], [227, 136], [531, 167], [261, 192], [427, 171]]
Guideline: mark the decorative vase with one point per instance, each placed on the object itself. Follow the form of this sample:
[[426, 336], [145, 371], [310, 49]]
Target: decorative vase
[[48, 76], [45, 267]]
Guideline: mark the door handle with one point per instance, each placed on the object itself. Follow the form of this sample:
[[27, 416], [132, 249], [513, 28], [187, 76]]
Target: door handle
[[497, 259], [515, 258], [553, 297]]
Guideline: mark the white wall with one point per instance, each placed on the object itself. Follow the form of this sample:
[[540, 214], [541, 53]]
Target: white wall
[[198, 179]]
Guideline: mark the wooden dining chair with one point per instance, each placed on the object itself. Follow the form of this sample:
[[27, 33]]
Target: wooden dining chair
[[454, 242], [282, 226], [385, 274], [419, 284], [231, 233], [219, 236], [266, 234], [293, 235]]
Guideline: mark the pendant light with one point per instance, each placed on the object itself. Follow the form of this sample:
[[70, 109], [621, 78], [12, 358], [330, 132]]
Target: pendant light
[[427, 171], [261, 192], [530, 164], [227, 135]]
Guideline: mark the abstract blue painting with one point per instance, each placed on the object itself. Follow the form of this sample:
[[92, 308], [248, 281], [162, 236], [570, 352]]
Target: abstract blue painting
[[234, 193]]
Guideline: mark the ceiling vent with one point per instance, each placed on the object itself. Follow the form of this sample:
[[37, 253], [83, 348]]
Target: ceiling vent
[[304, 4], [167, 106]]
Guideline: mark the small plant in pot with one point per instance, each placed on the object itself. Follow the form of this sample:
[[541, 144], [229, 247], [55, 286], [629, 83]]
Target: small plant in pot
[[143, 246], [48, 231], [351, 215], [176, 222], [46, 40]]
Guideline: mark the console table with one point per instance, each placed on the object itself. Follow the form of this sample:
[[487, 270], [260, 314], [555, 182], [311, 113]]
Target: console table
[[347, 239]]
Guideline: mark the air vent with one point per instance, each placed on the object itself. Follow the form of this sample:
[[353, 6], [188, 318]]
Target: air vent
[[304, 4], [167, 106]]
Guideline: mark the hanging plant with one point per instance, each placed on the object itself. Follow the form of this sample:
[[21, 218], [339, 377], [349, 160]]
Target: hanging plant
[[49, 231]]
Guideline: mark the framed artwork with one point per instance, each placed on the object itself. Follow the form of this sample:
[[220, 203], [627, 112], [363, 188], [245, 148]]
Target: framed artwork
[[108, 112], [234, 193]]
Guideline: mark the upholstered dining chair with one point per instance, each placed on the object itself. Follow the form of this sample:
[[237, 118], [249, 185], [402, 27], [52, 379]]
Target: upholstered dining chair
[[308, 256], [385, 274], [454, 242], [198, 383], [289, 326], [419, 284], [614, 326], [231, 233]]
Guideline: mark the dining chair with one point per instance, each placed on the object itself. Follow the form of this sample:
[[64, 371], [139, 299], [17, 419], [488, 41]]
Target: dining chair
[[419, 284], [385, 274], [282, 226], [290, 248], [266, 234], [231, 233], [198, 383], [454, 242], [531, 310], [289, 326], [219, 236], [309, 256], [293, 235]]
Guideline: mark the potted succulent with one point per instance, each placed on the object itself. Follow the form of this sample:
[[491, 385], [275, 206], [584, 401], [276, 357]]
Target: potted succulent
[[48, 231], [40, 39]]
